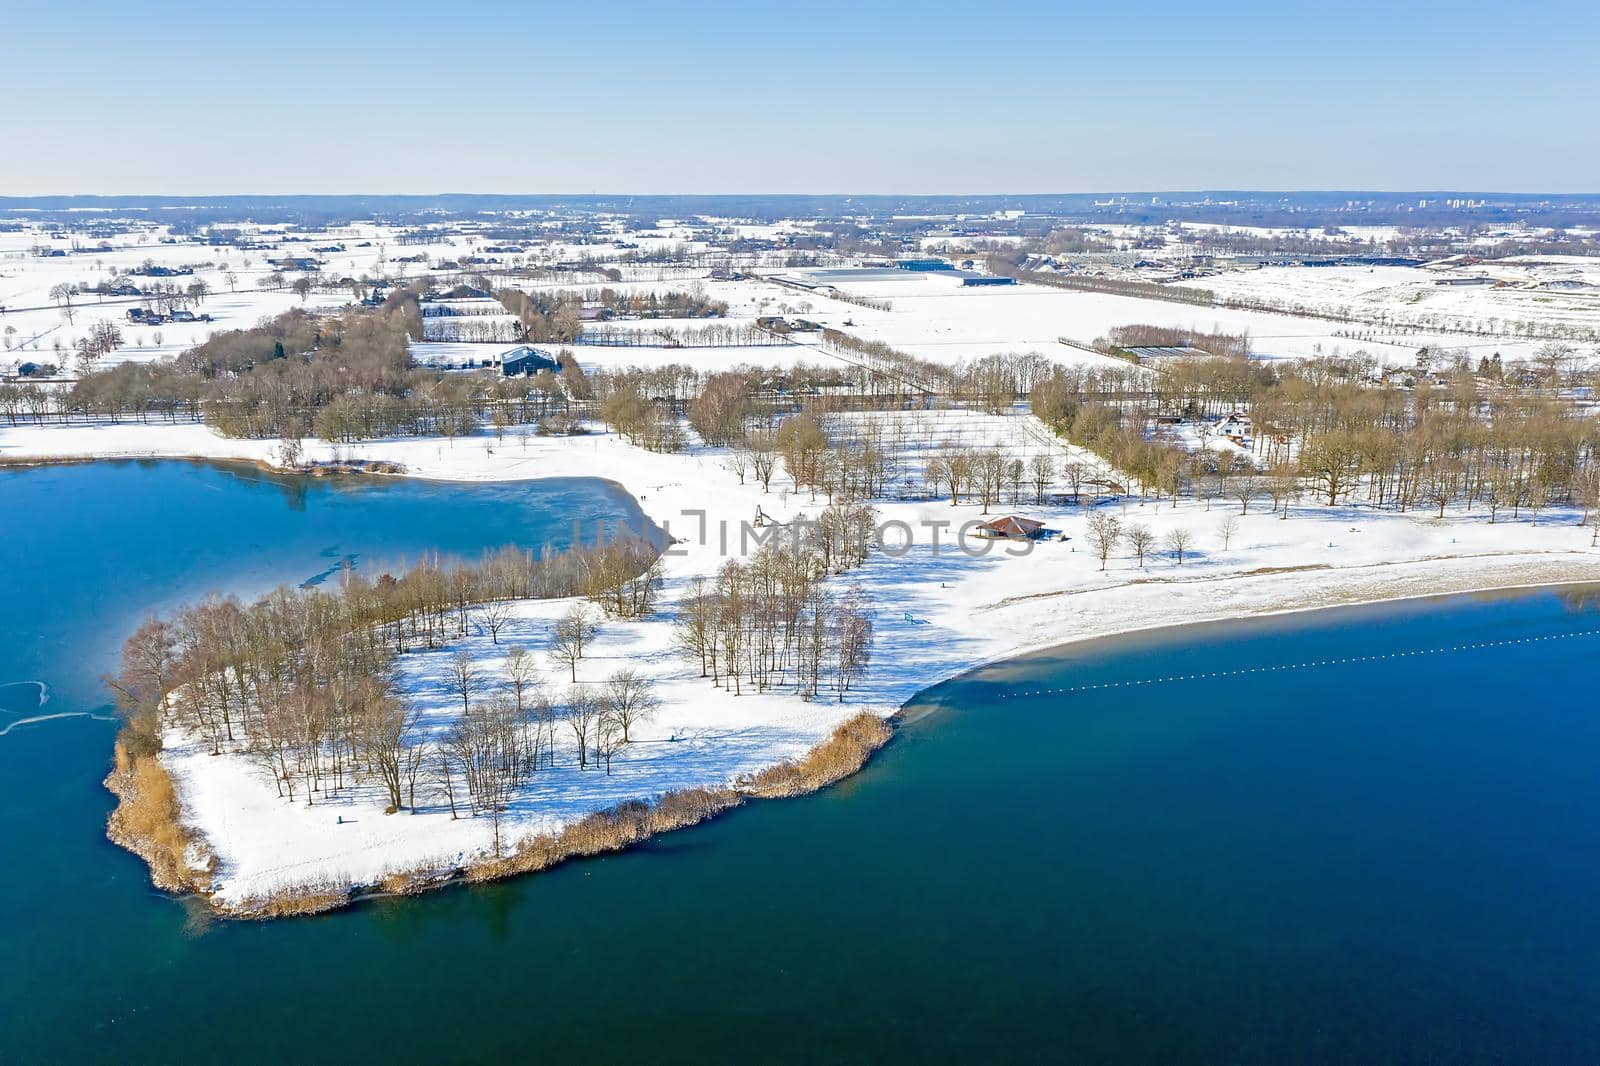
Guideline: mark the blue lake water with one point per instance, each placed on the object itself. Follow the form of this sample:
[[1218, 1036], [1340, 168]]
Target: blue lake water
[[1387, 860], [91, 549]]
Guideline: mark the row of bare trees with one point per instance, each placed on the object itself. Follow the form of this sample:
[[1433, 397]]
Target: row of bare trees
[[770, 621], [989, 474], [1317, 428], [512, 726], [304, 681], [225, 656]]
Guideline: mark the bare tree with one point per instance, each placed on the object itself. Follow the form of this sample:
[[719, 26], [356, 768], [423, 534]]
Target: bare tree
[[464, 677], [483, 746], [571, 632], [1246, 485], [1331, 462], [1105, 531], [62, 294], [629, 698], [739, 463], [763, 457], [852, 641], [1178, 541], [1140, 538], [1227, 528], [1075, 473], [1591, 503], [608, 739], [694, 631], [989, 473], [493, 616], [522, 674], [1284, 483], [447, 774], [414, 758], [385, 740], [581, 712], [1042, 471]]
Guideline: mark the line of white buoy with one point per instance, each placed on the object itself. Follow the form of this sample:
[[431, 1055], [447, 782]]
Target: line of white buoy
[[1284, 667]]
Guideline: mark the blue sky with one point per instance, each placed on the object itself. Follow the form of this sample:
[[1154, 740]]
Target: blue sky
[[796, 97]]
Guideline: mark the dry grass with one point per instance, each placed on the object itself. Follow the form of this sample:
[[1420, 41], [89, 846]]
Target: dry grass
[[610, 830], [291, 902], [21, 462], [149, 822], [833, 760], [332, 467], [841, 755], [285, 901], [408, 882]]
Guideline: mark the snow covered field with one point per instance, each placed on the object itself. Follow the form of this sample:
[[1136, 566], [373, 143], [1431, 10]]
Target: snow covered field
[[33, 321], [241, 293], [930, 316], [40, 323], [948, 324], [1492, 296], [939, 611]]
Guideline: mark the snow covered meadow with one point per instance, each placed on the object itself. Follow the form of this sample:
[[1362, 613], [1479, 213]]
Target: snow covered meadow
[[928, 315]]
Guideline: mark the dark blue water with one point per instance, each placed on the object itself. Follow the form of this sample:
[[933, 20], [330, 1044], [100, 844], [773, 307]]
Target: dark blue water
[[1393, 860]]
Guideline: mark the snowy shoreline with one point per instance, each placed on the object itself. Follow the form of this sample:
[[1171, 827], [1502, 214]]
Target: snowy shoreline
[[1554, 579], [939, 616]]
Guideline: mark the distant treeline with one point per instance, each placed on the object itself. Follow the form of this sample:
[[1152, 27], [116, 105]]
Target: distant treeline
[[1120, 338], [555, 316], [716, 335]]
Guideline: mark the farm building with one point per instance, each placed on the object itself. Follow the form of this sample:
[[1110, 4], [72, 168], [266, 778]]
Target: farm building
[[523, 361]]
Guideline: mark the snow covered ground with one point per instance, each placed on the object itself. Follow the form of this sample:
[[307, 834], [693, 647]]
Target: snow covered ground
[[39, 320], [949, 324], [930, 316], [940, 611], [1490, 296]]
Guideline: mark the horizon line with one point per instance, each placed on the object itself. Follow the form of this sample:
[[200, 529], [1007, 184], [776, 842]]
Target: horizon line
[[1212, 191]]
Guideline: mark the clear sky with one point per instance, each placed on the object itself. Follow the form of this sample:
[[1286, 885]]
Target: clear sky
[[816, 96]]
